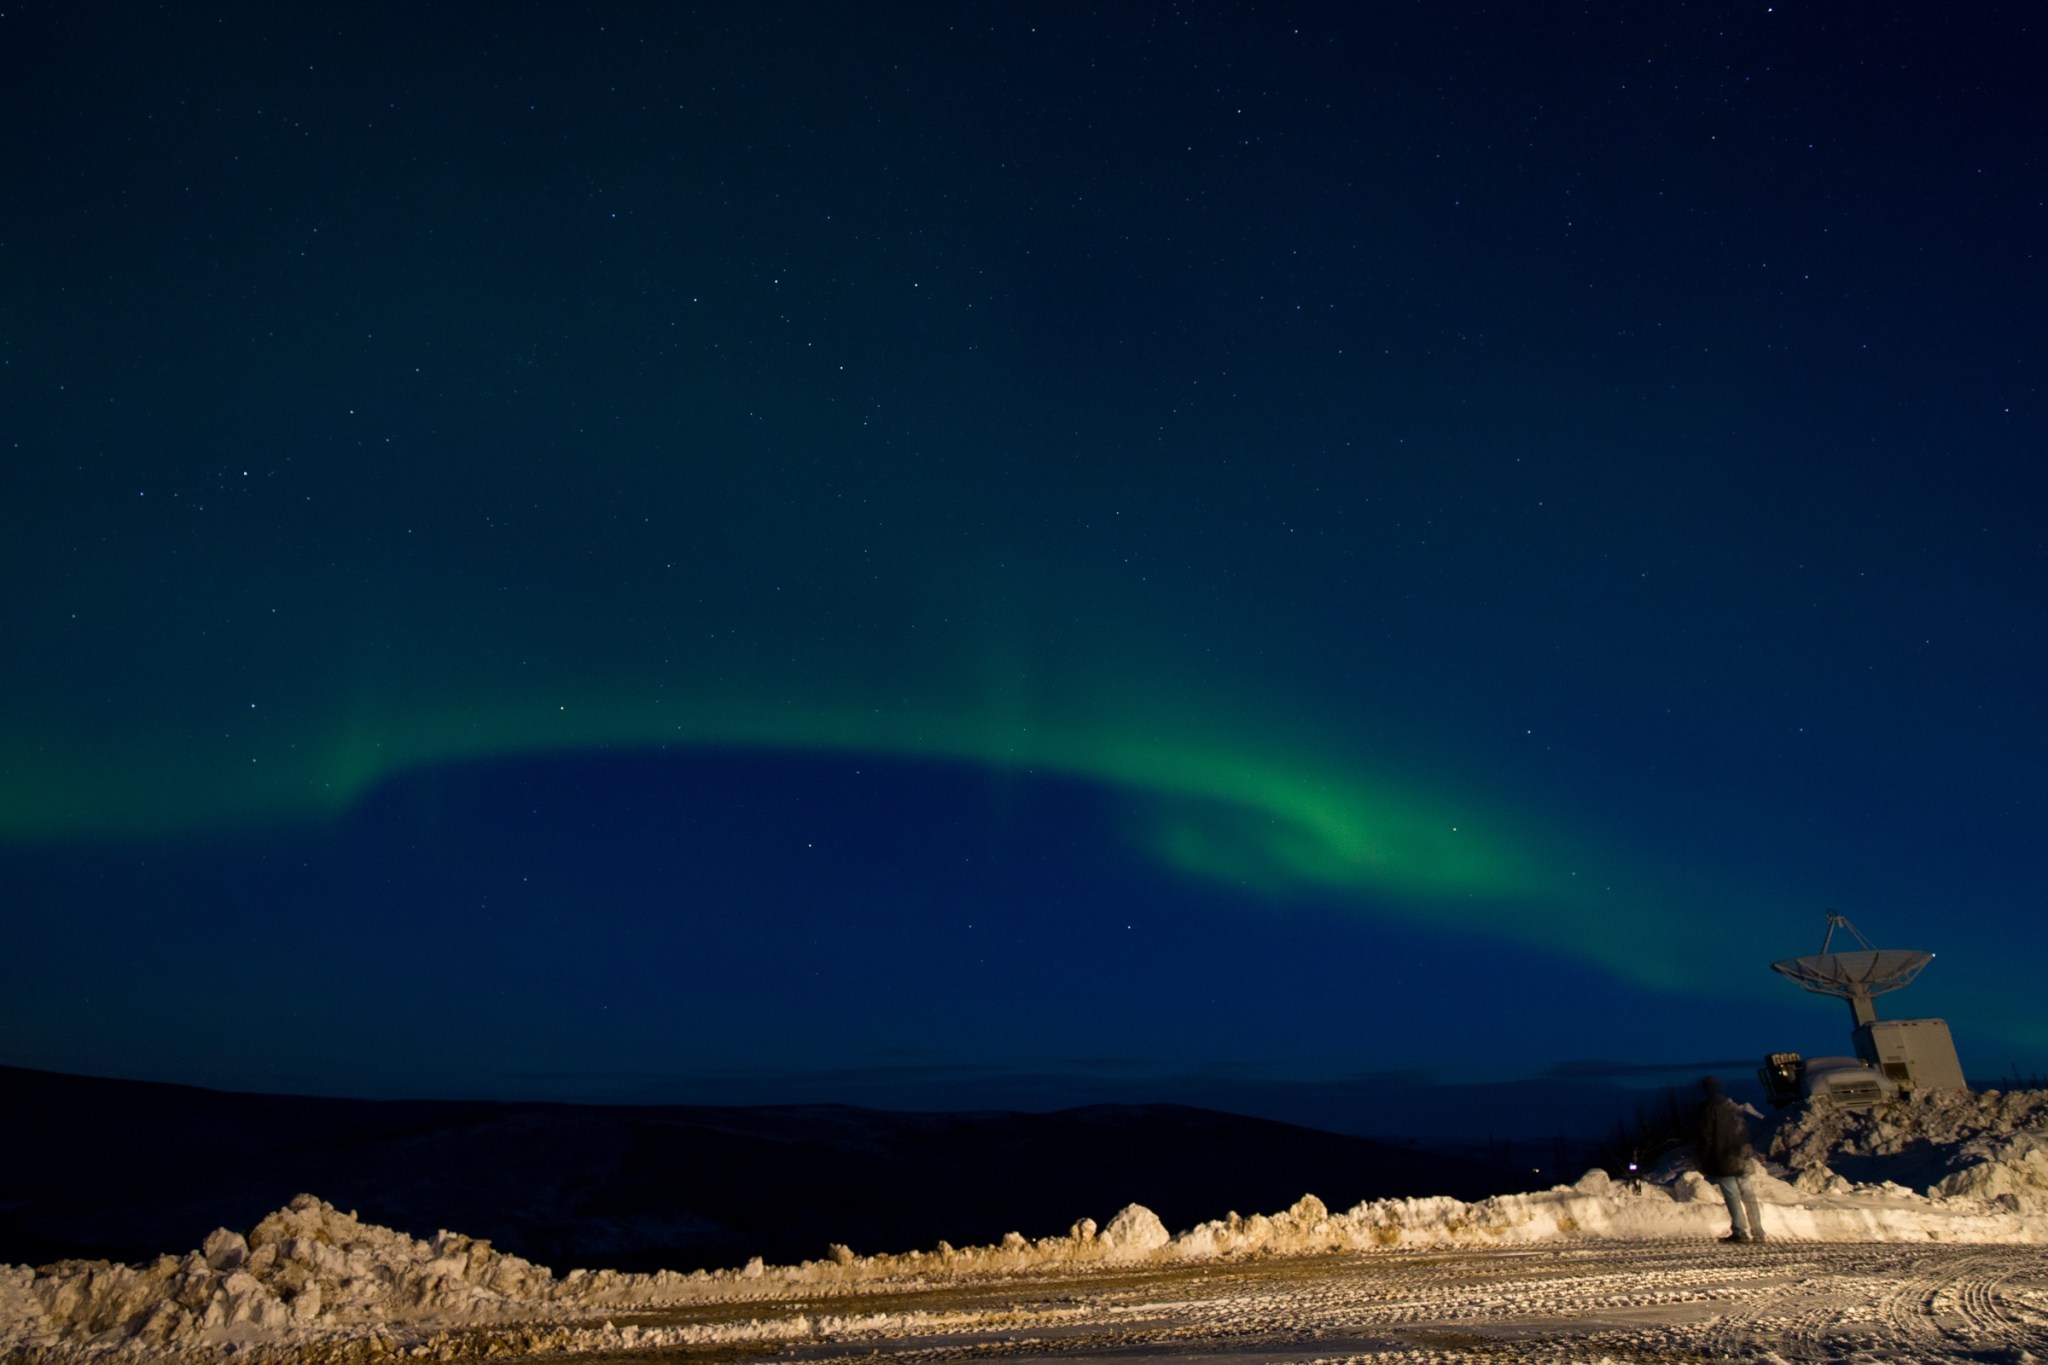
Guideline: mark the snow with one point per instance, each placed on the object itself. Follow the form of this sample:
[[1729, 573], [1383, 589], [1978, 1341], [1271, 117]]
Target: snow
[[1992, 1146], [311, 1279]]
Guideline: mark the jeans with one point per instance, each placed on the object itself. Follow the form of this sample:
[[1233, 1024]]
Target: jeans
[[1743, 1213]]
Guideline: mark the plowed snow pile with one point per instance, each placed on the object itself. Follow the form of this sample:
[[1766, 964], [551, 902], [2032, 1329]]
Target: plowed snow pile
[[318, 1283], [1993, 1146]]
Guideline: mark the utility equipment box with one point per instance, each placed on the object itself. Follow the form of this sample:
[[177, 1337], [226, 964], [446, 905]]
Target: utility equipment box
[[1914, 1054]]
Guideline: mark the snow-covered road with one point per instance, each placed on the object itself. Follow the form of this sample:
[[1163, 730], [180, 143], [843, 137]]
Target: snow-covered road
[[1659, 1301], [1949, 1266]]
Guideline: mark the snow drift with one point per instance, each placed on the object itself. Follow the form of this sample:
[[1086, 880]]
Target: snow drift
[[321, 1284], [1992, 1146]]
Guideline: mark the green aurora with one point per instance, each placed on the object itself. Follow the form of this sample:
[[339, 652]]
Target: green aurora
[[1544, 516], [1267, 823]]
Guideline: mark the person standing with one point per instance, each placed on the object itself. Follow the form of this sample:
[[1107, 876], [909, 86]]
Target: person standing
[[1721, 1146]]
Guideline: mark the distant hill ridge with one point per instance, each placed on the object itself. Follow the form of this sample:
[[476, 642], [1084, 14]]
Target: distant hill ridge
[[125, 1170]]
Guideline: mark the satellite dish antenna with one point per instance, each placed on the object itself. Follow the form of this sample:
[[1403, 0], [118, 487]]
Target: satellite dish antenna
[[1856, 976]]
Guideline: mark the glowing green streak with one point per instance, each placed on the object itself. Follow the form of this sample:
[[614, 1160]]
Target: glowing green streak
[[1266, 823]]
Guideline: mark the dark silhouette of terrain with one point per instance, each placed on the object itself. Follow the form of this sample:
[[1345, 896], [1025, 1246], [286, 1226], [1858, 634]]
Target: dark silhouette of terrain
[[126, 1170]]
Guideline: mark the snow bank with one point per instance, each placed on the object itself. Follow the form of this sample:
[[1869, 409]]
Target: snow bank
[[323, 1285], [1992, 1146], [312, 1276], [305, 1266]]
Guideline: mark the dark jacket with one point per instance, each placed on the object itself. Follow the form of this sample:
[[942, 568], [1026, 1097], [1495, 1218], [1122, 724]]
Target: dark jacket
[[1721, 1140]]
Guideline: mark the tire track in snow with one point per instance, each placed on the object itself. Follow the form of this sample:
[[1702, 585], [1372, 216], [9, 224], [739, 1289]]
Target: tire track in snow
[[1977, 1301], [1772, 1314], [1884, 1304], [1795, 1303]]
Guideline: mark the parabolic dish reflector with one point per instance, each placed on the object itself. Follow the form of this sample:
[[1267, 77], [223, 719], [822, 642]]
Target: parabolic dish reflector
[[1872, 971]]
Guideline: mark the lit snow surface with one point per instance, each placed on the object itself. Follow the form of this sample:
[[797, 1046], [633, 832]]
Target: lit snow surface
[[1911, 1232]]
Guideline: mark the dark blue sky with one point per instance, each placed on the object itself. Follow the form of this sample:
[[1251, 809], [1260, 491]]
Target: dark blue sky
[[998, 553]]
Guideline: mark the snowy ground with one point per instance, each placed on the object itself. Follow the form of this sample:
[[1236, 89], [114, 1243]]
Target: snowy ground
[[1950, 1266], [1629, 1301], [1622, 1301]]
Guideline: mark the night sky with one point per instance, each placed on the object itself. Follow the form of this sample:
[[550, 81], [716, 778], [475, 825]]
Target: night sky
[[935, 553]]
